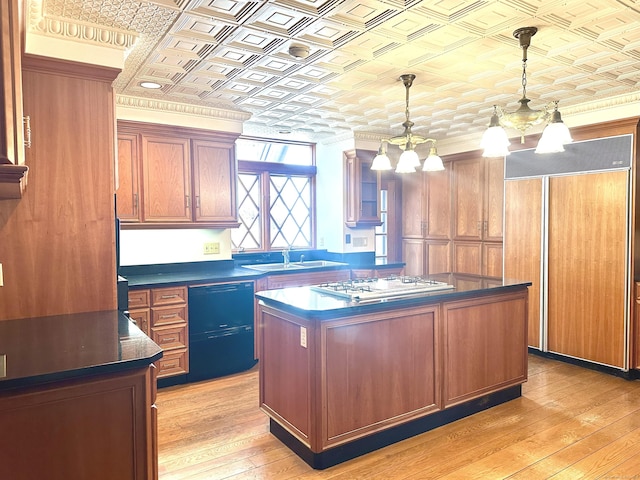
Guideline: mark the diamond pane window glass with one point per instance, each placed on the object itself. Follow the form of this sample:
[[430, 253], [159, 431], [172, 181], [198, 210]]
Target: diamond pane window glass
[[290, 223], [275, 195], [249, 234]]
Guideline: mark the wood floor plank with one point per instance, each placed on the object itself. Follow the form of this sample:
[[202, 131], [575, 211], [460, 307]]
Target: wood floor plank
[[570, 422]]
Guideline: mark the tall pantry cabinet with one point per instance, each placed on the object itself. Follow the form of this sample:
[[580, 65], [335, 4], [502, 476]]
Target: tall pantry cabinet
[[426, 223], [452, 219], [568, 229]]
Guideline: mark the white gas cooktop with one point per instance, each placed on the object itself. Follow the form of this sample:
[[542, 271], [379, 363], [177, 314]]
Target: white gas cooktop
[[377, 288]]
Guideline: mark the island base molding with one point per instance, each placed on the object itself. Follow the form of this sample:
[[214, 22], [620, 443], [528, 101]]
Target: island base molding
[[362, 446]]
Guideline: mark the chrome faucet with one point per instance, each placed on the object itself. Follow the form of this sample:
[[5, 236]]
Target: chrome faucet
[[285, 254], [301, 259]]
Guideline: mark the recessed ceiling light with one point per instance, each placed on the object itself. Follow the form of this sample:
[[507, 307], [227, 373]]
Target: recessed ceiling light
[[151, 85]]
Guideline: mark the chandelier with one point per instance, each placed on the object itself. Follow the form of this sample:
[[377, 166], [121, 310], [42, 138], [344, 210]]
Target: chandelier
[[407, 142], [554, 136]]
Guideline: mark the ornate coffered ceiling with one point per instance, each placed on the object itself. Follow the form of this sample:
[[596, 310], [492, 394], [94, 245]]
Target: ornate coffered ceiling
[[231, 58]]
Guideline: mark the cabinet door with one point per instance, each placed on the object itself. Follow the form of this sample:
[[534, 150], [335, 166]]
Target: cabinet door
[[492, 259], [413, 210], [11, 128], [166, 173], [468, 199], [438, 254], [438, 193], [587, 263], [467, 257], [523, 244], [413, 256], [214, 182], [493, 199], [127, 193]]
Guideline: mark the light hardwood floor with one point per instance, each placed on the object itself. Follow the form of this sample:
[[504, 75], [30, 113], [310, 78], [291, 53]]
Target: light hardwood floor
[[570, 423]]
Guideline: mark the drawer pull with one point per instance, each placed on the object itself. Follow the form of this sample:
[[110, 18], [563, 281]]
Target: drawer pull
[[169, 365], [169, 296], [169, 339], [172, 315]]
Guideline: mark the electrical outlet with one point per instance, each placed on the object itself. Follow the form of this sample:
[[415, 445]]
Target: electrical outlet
[[359, 241], [303, 337], [211, 248]]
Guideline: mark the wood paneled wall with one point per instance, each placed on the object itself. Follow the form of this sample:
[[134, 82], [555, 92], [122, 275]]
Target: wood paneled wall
[[57, 244]]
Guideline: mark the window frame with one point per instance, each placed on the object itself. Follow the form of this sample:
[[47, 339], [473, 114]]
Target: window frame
[[265, 170]]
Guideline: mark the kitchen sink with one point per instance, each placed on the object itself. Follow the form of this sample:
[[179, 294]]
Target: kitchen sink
[[305, 265]]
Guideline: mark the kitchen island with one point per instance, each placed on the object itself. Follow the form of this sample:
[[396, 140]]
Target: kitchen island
[[341, 377]]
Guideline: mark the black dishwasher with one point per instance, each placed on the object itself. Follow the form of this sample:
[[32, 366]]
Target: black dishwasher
[[220, 330]]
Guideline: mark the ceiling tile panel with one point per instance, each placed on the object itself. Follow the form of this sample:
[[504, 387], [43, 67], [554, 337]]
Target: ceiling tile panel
[[235, 53]]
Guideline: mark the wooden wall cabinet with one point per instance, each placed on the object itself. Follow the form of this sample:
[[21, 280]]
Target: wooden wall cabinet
[[478, 193], [176, 177], [162, 313], [128, 178], [361, 190], [13, 171], [426, 223]]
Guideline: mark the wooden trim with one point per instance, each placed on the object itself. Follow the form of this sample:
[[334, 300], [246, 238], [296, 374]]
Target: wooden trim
[[156, 129], [39, 64]]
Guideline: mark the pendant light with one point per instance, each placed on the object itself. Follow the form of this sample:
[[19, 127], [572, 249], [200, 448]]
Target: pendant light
[[556, 134], [409, 160]]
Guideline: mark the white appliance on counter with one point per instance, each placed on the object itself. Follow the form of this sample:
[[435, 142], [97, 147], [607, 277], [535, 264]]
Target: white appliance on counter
[[363, 289]]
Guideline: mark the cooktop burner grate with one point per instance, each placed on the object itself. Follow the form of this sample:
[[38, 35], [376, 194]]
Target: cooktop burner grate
[[375, 288]]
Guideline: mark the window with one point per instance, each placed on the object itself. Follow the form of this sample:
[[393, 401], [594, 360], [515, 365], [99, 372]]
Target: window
[[381, 231], [276, 195]]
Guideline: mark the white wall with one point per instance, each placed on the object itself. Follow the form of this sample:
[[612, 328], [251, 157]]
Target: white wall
[[148, 247], [330, 195]]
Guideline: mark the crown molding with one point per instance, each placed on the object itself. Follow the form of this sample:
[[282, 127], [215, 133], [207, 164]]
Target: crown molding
[[181, 108], [84, 32]]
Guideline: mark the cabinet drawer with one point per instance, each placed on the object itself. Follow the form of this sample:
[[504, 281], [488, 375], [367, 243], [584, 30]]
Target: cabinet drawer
[[138, 298], [173, 362], [141, 319], [170, 337], [168, 315], [168, 296]]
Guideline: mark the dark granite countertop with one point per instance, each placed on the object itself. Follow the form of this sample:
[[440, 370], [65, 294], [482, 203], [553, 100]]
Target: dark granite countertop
[[150, 276], [191, 277], [305, 302], [47, 349]]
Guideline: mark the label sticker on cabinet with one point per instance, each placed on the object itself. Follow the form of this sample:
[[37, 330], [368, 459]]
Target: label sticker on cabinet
[[303, 337]]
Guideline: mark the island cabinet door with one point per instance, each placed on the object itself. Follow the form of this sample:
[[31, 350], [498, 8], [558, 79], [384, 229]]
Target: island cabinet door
[[101, 428], [485, 345], [378, 371]]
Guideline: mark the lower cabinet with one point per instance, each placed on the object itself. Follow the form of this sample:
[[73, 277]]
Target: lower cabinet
[[102, 427], [426, 257], [162, 313]]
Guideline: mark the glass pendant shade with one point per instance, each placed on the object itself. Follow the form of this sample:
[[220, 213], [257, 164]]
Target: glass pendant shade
[[381, 162], [555, 136], [433, 163], [407, 162], [495, 142]]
